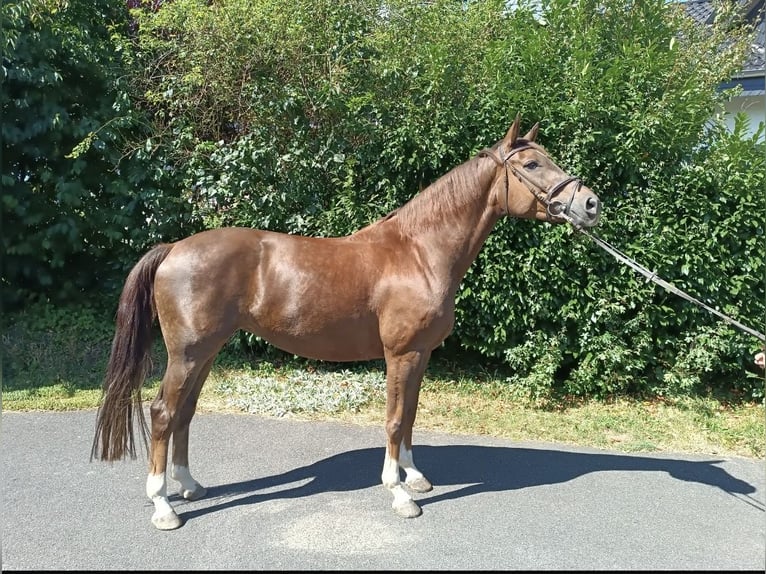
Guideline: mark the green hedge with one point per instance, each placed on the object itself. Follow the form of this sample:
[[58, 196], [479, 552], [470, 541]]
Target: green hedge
[[320, 118], [76, 205]]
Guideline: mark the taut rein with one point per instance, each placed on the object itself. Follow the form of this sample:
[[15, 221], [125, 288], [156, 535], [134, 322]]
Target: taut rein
[[652, 276], [544, 196]]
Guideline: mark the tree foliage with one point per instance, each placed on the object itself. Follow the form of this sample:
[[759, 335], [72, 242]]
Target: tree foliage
[[321, 117], [74, 210]]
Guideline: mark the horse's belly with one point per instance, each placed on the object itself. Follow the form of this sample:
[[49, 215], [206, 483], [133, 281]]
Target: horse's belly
[[350, 339]]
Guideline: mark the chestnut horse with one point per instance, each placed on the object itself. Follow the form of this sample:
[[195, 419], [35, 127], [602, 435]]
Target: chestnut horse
[[386, 291]]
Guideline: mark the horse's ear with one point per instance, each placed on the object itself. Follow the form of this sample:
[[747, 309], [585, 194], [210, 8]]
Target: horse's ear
[[532, 134], [513, 133]]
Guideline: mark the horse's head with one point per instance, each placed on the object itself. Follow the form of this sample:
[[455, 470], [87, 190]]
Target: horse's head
[[531, 186]]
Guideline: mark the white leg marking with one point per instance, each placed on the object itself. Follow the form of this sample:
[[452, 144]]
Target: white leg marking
[[164, 517], [189, 486], [405, 461], [403, 504], [390, 474], [401, 496], [414, 478], [157, 491]]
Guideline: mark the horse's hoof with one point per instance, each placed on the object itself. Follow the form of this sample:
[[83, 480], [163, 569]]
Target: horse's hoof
[[169, 521], [408, 509], [198, 492], [419, 484]]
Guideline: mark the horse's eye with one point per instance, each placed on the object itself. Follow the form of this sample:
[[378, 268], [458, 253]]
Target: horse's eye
[[532, 164]]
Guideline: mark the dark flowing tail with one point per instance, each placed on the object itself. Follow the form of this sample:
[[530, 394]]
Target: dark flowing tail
[[129, 362]]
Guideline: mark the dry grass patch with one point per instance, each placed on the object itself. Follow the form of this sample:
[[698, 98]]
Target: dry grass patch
[[464, 404]]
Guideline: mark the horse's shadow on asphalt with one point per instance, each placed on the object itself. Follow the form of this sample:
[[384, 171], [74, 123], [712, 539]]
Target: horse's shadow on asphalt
[[479, 468]]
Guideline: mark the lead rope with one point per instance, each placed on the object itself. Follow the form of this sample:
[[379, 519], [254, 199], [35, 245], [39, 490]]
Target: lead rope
[[652, 276]]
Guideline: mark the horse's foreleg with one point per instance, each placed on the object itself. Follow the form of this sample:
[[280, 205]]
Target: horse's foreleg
[[404, 373], [414, 479], [179, 469]]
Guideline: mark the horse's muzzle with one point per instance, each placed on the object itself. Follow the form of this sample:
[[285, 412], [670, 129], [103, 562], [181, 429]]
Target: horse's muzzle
[[582, 208]]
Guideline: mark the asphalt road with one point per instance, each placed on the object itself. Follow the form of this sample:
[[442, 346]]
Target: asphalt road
[[289, 495]]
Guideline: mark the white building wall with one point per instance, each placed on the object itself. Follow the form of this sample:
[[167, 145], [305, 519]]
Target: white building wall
[[753, 106]]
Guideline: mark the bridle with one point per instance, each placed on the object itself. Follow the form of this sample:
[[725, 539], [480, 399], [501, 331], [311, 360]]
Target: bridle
[[544, 196]]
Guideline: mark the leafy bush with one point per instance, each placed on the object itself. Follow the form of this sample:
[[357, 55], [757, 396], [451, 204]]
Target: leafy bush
[[300, 126], [321, 118], [74, 209], [56, 344], [47, 344]]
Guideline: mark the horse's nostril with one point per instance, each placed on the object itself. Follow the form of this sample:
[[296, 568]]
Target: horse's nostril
[[592, 205]]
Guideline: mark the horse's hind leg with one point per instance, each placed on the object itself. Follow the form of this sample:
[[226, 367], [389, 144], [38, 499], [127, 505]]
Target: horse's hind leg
[[404, 374], [179, 469], [182, 378]]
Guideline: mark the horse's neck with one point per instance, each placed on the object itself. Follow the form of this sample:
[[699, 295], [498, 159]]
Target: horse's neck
[[451, 220], [454, 249]]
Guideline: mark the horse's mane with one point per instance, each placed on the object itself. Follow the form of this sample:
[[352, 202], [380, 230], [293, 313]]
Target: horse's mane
[[453, 191]]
